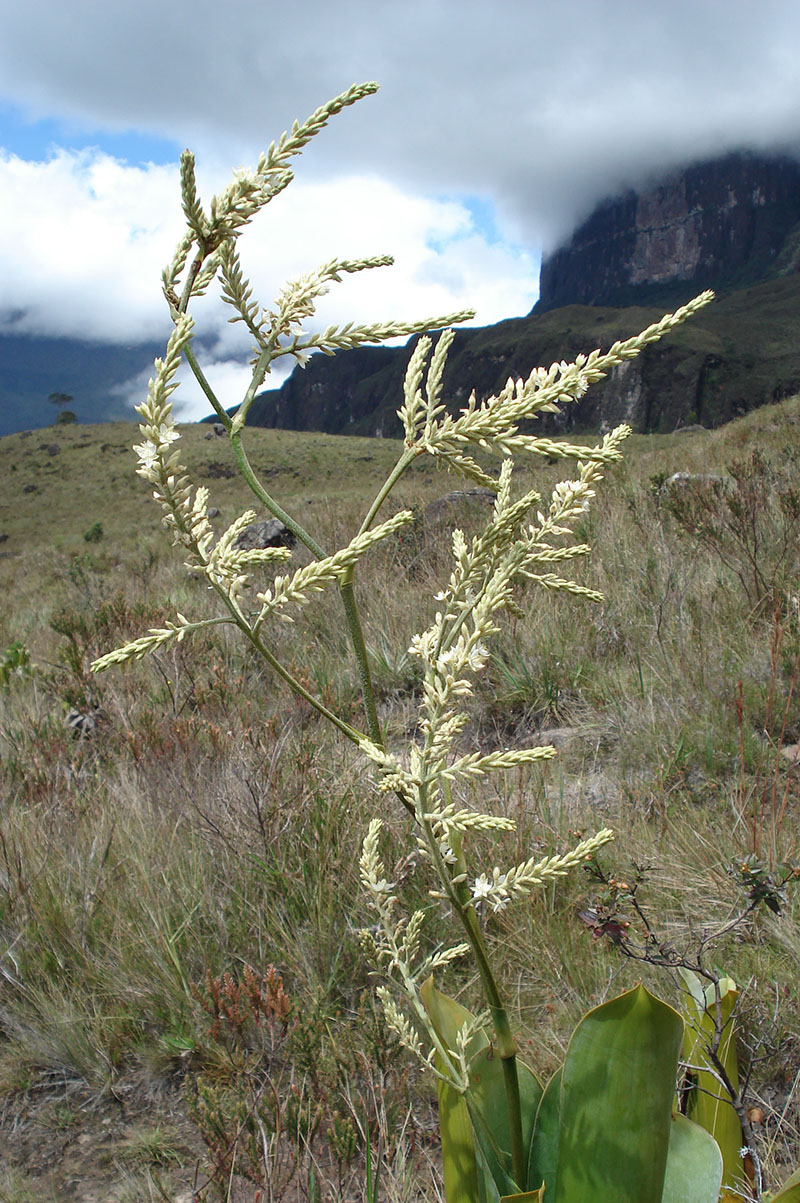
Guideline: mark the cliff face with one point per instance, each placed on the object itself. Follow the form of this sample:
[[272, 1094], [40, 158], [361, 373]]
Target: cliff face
[[739, 353], [733, 225], [722, 224]]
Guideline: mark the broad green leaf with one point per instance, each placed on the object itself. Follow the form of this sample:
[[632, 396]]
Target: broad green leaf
[[708, 1104], [616, 1102], [449, 1017], [790, 1191], [487, 1098], [463, 1171], [491, 1161], [543, 1159], [694, 1164], [483, 1116], [528, 1196]]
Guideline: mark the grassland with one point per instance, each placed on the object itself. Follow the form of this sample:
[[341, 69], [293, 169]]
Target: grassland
[[207, 822]]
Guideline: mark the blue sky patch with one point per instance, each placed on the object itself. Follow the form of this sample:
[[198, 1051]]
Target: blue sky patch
[[38, 140]]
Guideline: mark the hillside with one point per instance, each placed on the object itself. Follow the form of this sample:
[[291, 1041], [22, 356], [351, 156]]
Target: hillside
[[737, 354], [203, 824], [732, 224]]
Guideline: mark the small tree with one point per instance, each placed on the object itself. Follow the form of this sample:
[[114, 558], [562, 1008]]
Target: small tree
[[60, 399], [65, 416]]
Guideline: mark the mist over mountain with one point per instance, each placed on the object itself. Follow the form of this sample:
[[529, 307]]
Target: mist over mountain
[[732, 224], [91, 374], [720, 224]]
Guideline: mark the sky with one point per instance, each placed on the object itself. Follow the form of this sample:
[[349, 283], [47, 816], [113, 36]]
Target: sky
[[499, 125]]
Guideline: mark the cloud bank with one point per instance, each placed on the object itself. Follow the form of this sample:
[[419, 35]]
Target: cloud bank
[[497, 128]]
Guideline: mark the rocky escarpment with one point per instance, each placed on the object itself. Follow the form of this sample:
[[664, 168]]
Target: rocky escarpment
[[739, 353], [721, 224], [733, 225]]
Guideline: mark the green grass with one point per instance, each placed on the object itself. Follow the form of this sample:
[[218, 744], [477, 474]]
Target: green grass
[[210, 822]]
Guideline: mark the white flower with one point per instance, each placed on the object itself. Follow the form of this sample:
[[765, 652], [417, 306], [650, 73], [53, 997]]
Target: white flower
[[494, 891], [482, 888], [148, 455]]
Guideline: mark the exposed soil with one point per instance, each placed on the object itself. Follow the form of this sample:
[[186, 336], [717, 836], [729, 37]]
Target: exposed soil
[[59, 1141]]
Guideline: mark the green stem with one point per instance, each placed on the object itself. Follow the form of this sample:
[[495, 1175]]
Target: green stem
[[346, 588], [266, 354], [351, 607], [502, 1030], [234, 428], [194, 271], [461, 900], [405, 461], [269, 502], [351, 732], [362, 659], [201, 379]]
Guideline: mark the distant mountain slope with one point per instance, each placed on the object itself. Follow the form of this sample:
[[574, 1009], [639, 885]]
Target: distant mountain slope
[[739, 353], [721, 224], [31, 368], [732, 224]]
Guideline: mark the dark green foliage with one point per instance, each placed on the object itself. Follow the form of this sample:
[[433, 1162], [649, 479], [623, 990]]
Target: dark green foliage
[[94, 534]]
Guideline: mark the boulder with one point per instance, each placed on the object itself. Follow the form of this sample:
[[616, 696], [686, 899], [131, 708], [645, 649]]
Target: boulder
[[268, 533], [694, 480], [446, 509]]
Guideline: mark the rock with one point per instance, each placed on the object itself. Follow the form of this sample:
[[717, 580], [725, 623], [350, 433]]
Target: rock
[[694, 480], [446, 509], [29, 489], [213, 512], [84, 723], [219, 430], [216, 470], [269, 533], [209, 434], [555, 737]]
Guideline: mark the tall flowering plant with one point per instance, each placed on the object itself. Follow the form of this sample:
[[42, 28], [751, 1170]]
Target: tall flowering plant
[[528, 539]]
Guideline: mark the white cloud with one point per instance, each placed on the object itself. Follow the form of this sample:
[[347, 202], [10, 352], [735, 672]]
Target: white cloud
[[543, 106], [229, 378], [536, 109], [82, 242], [442, 262]]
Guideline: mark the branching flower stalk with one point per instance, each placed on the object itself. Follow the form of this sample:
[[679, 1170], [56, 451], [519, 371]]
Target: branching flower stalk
[[526, 543]]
